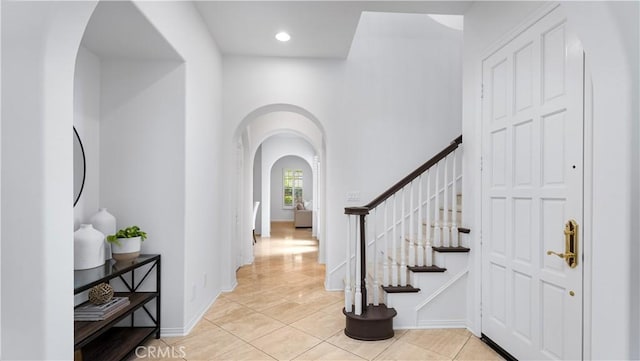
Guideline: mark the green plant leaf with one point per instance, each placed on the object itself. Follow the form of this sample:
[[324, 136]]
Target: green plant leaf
[[129, 232]]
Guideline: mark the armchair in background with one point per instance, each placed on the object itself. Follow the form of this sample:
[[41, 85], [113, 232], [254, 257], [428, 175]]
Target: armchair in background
[[303, 215]]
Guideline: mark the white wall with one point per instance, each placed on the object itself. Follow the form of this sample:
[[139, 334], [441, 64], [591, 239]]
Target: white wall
[[609, 33], [257, 187], [383, 110], [86, 119], [206, 216], [142, 162], [40, 41], [39, 46], [278, 213]]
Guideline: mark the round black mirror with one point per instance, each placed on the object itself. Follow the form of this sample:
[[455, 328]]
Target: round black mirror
[[79, 167]]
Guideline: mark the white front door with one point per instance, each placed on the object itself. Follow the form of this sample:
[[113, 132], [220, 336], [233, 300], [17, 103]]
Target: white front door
[[532, 181]]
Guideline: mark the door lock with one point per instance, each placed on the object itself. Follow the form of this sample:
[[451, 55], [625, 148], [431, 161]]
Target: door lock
[[570, 254]]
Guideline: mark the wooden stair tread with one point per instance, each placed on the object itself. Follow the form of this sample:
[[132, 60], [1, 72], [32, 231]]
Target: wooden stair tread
[[425, 269], [400, 289], [451, 249]]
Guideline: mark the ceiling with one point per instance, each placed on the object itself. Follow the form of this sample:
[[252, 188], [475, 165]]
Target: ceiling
[[117, 29], [319, 29]]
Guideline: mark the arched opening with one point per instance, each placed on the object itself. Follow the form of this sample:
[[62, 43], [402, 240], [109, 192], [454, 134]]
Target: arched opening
[[268, 134], [276, 155]]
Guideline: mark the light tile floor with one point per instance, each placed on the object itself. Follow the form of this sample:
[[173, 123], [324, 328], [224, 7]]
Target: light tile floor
[[280, 311]]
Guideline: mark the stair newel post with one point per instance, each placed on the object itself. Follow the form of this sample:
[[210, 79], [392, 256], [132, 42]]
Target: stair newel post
[[363, 260], [412, 237], [358, 296], [446, 233], [385, 256], [428, 249], [454, 207], [420, 250], [437, 231], [348, 295], [403, 251], [394, 245], [376, 284]]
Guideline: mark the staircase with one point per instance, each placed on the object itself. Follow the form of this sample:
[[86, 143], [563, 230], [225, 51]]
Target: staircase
[[407, 253]]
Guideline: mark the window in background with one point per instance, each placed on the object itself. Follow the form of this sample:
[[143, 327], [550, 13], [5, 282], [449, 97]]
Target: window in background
[[292, 188]]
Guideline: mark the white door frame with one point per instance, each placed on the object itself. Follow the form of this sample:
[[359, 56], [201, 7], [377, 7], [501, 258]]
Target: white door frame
[[476, 173]]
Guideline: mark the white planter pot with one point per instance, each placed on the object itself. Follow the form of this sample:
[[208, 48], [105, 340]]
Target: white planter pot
[[128, 249], [104, 222], [88, 248]]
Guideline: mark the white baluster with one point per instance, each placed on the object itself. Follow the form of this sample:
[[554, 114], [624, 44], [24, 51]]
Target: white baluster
[[412, 236], [455, 242], [376, 284], [437, 231], [385, 256], [348, 295], [420, 250], [429, 250], [403, 252], [394, 245], [446, 231], [358, 298]]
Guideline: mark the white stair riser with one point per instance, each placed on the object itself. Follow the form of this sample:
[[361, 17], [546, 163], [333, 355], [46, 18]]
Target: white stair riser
[[447, 302]]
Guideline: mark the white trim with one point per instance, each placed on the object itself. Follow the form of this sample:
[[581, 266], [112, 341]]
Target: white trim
[[197, 317], [587, 219], [531, 20], [442, 324], [442, 288], [184, 331], [233, 287], [172, 332]]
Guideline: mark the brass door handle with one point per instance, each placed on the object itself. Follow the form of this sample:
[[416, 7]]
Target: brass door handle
[[570, 254], [561, 255]]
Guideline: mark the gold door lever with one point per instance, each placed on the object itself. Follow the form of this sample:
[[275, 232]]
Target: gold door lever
[[561, 255], [571, 244]]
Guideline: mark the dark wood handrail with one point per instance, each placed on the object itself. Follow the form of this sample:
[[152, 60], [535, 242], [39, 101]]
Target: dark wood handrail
[[406, 180]]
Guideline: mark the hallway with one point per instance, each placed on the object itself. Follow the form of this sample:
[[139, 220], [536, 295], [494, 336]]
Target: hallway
[[280, 310]]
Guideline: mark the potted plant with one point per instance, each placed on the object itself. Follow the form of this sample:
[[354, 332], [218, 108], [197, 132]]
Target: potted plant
[[125, 244]]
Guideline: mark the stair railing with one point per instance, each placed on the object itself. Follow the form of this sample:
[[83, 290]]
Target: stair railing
[[405, 239]]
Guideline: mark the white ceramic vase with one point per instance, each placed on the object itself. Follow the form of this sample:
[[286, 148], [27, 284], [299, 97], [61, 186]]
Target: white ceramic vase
[[128, 249], [88, 247], [104, 222]]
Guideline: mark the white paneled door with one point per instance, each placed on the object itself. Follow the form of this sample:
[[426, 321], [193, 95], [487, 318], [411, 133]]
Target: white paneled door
[[532, 175]]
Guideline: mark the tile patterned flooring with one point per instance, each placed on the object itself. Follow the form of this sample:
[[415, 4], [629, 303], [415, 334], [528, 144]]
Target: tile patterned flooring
[[280, 311]]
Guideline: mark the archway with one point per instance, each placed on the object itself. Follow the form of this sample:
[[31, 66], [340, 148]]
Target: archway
[[272, 151], [256, 128]]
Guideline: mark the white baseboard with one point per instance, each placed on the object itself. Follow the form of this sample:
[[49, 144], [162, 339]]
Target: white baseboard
[[332, 289], [233, 287], [171, 332], [184, 331], [443, 324]]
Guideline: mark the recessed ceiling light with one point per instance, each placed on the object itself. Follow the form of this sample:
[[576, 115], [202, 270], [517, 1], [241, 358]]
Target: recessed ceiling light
[[283, 36]]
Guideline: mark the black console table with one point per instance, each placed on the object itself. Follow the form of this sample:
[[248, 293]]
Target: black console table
[[100, 340]]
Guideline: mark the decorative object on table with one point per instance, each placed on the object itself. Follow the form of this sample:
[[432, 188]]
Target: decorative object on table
[[104, 222], [88, 247], [100, 294], [125, 244], [92, 312]]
